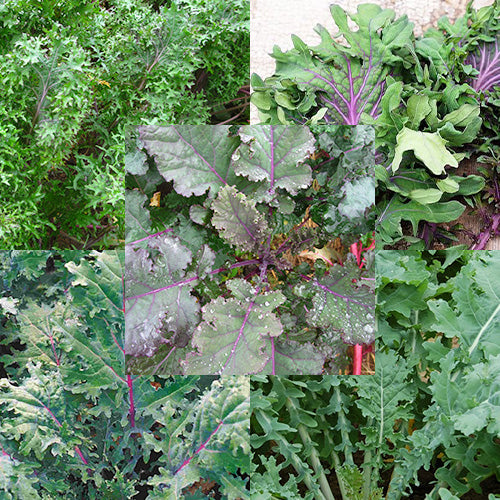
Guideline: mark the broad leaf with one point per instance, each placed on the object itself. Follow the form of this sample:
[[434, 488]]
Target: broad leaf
[[234, 334], [391, 215], [275, 155], [158, 284], [197, 158], [428, 147]]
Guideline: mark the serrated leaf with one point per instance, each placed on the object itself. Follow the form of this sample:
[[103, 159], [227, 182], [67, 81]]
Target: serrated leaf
[[97, 295], [158, 292], [17, 480], [475, 315], [32, 410], [212, 440], [233, 335]]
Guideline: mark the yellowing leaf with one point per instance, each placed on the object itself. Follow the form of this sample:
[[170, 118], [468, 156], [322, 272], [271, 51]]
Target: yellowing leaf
[[155, 200]]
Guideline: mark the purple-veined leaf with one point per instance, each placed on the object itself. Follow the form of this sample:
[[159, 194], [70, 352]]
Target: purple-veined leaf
[[487, 62], [158, 296], [275, 155], [234, 332], [36, 407], [196, 157], [237, 219], [341, 80], [209, 440], [344, 304]]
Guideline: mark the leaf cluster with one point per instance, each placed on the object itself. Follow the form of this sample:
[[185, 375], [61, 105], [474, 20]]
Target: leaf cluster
[[73, 424], [431, 404], [236, 270]]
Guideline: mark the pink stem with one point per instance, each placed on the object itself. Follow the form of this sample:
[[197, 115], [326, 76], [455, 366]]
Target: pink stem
[[357, 360], [131, 399], [186, 462], [150, 236]]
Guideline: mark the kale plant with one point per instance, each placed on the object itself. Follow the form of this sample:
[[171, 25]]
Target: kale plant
[[236, 249], [76, 82], [341, 80], [433, 102], [431, 405], [74, 424]]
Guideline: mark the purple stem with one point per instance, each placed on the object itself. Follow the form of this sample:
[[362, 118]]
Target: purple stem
[[189, 280], [489, 67], [78, 452], [486, 235], [273, 356], [131, 400]]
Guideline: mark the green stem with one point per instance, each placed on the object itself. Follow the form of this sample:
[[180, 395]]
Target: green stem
[[367, 470], [335, 456], [315, 461], [483, 329], [343, 423]]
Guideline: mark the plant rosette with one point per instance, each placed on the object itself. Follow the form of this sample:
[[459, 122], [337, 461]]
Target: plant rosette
[[241, 267]]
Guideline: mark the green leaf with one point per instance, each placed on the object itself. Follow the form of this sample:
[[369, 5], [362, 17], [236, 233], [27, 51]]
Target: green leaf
[[428, 147], [359, 196], [448, 185], [135, 163], [137, 218], [275, 155], [425, 196], [17, 480], [237, 219], [391, 215], [97, 294], [475, 317], [186, 155], [32, 412], [417, 108]]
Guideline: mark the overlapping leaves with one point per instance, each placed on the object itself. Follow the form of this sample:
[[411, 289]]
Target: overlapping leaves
[[199, 297], [69, 410]]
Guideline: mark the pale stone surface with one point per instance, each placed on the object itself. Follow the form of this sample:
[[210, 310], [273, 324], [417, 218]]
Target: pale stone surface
[[274, 21]]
